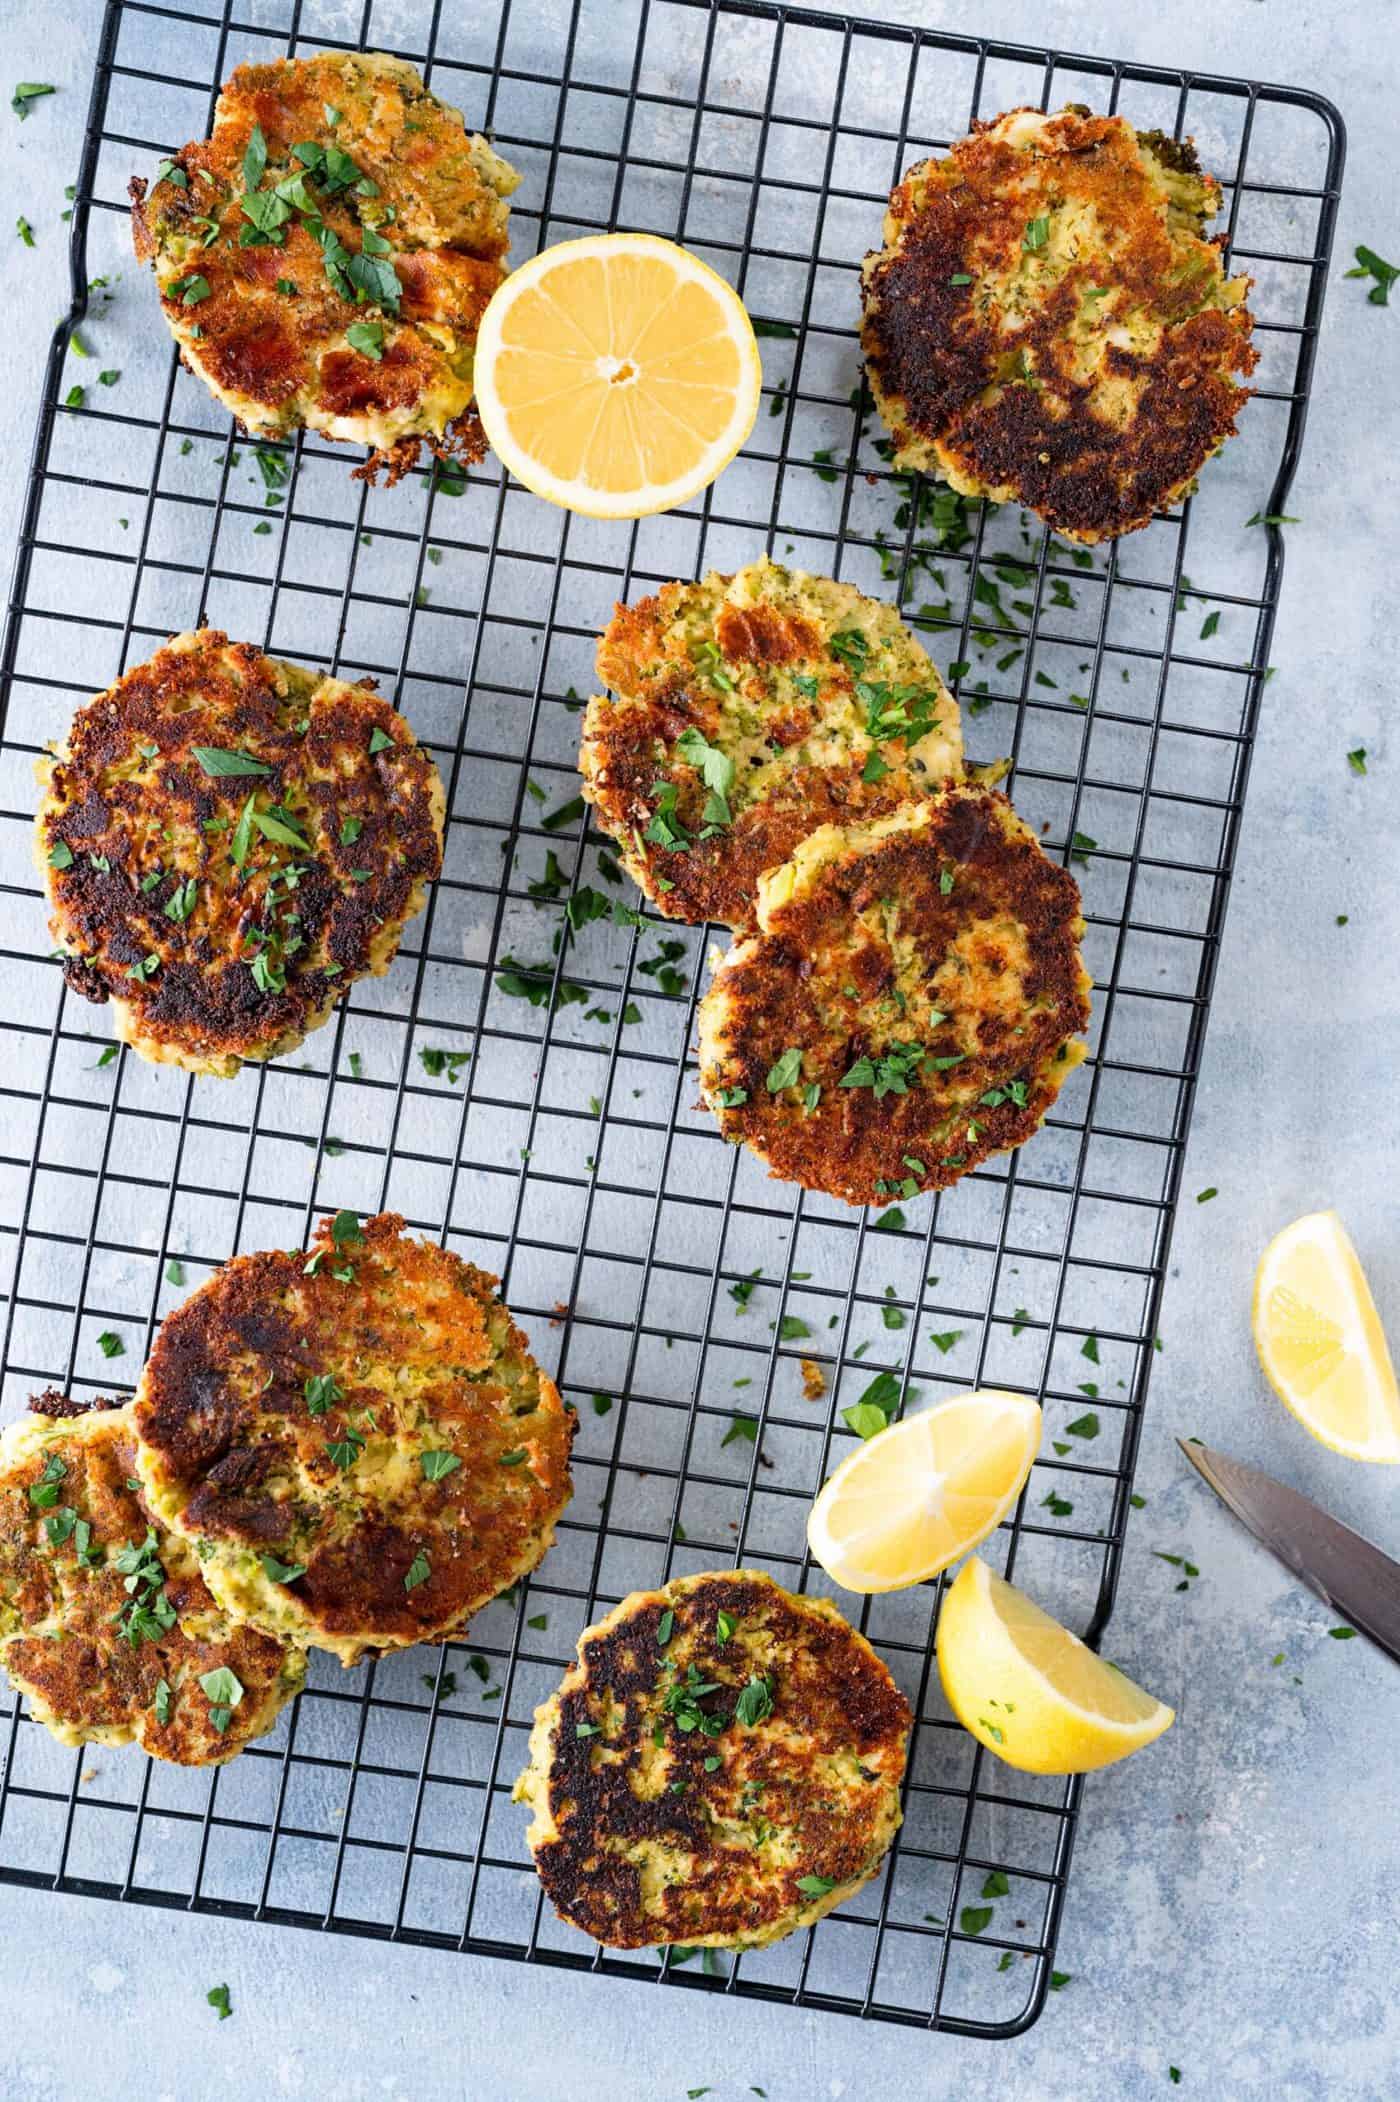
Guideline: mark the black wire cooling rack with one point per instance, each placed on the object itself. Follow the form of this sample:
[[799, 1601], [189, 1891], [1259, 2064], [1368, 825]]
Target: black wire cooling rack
[[521, 1083]]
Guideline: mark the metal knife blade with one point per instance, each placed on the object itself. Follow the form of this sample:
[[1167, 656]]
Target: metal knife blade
[[1343, 1569]]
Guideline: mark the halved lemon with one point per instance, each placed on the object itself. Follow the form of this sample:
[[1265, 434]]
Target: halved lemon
[[616, 375], [1029, 1690], [1320, 1340], [902, 1507]]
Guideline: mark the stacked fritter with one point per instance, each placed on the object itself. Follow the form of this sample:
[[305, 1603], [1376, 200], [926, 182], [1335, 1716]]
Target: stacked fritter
[[780, 755], [348, 1448], [325, 257], [747, 711]]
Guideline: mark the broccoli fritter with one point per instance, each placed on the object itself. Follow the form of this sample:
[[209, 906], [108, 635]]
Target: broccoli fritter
[[1047, 325], [228, 842], [359, 1441], [106, 1624], [745, 712], [325, 257], [720, 1767], [911, 1003]]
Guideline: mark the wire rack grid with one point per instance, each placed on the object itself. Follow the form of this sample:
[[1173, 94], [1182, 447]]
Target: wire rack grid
[[551, 1129]]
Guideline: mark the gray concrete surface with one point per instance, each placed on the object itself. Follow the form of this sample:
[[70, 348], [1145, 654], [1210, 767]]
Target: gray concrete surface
[[1233, 1907]]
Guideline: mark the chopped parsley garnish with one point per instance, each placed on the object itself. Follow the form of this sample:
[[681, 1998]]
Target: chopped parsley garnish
[[30, 91], [321, 1390], [875, 1408], [1036, 235], [367, 337], [896, 711], [61, 855], [716, 770], [111, 1345], [439, 1062], [740, 1426], [190, 290], [418, 1571], [1356, 760], [1368, 264], [218, 1999], [785, 1070], [816, 1886], [278, 1572], [755, 1702], [437, 1466], [380, 740], [148, 1613], [681, 1702], [224, 1691], [665, 1628], [851, 648], [344, 1452], [44, 1493], [890, 1073], [220, 763], [162, 1702]]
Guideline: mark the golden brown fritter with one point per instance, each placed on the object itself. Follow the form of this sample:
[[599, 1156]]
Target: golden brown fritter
[[105, 1621], [720, 1767], [360, 1442], [1046, 324], [746, 711], [910, 1005], [325, 258], [229, 841]]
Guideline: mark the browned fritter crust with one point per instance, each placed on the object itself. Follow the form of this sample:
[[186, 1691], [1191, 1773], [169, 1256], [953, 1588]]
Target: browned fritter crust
[[270, 335], [131, 820], [1021, 392], [811, 1790], [62, 1599], [945, 934], [286, 1409], [729, 658]]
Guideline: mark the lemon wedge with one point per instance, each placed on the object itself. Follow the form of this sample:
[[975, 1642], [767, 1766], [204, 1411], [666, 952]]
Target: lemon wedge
[[616, 375], [1029, 1690], [1320, 1340], [902, 1507]]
